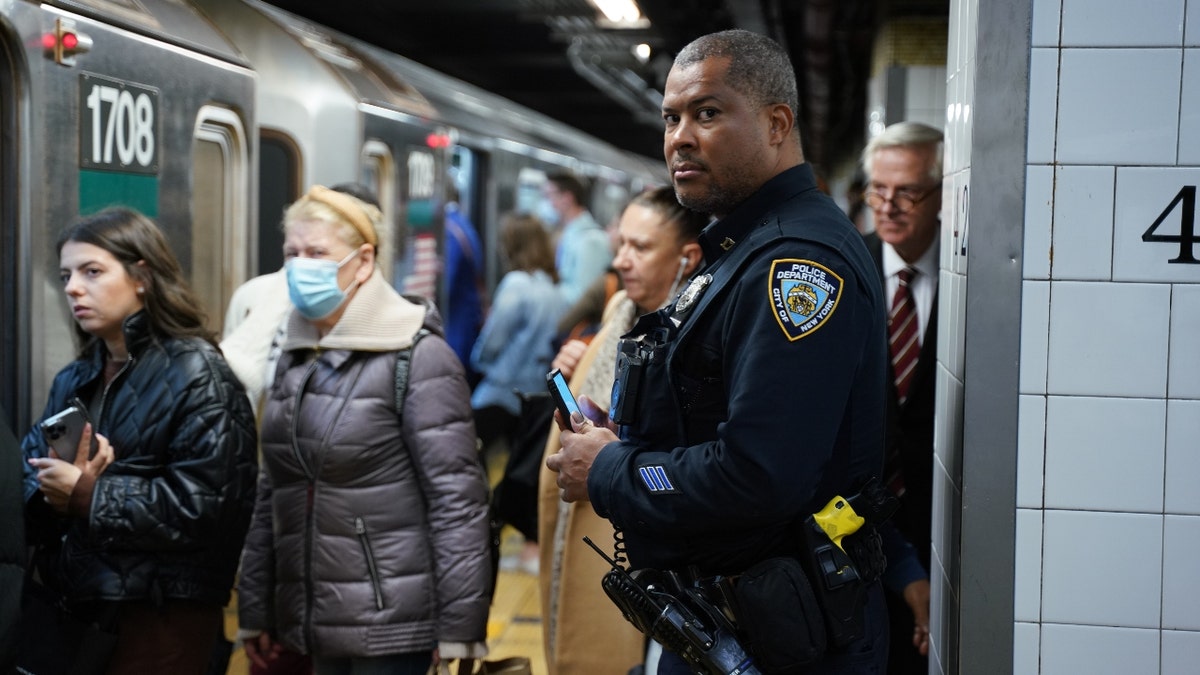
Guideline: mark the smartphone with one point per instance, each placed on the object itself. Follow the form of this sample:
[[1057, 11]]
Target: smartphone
[[64, 429], [564, 400]]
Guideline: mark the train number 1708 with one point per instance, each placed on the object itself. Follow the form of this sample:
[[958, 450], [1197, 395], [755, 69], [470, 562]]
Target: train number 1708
[[117, 132]]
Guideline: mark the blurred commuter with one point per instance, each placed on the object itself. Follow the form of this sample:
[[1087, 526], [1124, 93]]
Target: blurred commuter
[[252, 335], [463, 276], [582, 631], [513, 353], [514, 347], [341, 466], [148, 529], [583, 247], [904, 190]]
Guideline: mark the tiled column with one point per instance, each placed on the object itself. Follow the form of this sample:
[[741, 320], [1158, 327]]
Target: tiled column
[[1108, 513], [979, 317]]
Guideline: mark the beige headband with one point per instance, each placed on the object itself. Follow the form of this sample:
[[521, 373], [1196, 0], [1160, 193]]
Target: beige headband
[[346, 206]]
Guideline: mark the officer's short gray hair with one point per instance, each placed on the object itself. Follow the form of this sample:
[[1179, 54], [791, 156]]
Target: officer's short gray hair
[[906, 135], [758, 66]]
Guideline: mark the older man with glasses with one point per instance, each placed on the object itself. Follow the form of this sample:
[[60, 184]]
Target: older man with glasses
[[904, 191]]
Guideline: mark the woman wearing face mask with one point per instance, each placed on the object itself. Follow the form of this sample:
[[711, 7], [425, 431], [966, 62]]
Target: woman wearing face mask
[[369, 544], [144, 536], [583, 631]]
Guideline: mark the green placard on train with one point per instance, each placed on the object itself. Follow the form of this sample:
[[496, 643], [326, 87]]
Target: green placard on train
[[100, 189]]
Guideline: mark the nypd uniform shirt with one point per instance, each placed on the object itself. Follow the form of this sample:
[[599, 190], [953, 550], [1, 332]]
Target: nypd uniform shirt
[[765, 395]]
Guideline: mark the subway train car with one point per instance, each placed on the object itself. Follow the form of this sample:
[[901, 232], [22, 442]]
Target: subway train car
[[211, 116]]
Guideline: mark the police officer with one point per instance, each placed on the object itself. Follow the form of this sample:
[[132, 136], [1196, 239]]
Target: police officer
[[759, 394]]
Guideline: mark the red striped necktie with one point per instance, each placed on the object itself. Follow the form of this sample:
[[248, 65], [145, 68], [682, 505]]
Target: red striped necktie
[[903, 338]]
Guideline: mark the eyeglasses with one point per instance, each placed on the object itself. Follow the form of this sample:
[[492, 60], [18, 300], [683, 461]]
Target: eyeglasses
[[903, 200]]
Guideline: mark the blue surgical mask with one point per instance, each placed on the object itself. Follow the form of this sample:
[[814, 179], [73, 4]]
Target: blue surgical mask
[[313, 285], [545, 211]]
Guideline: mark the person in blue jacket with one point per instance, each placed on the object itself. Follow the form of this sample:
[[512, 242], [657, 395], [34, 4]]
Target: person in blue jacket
[[463, 276], [761, 390]]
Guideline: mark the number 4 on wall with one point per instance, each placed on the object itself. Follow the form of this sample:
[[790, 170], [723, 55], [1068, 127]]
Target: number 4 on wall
[[1187, 226]]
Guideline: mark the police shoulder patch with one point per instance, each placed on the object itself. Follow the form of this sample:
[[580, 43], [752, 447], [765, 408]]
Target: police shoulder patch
[[803, 295]]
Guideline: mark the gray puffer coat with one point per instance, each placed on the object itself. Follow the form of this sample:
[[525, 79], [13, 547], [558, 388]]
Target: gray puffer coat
[[370, 536]]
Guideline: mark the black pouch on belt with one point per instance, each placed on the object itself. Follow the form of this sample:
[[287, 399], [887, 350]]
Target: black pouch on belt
[[779, 615]]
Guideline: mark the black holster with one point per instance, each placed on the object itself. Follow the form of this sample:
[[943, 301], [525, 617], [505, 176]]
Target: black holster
[[840, 578]]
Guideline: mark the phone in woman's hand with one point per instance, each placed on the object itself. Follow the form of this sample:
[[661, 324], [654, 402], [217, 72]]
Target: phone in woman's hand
[[64, 429]]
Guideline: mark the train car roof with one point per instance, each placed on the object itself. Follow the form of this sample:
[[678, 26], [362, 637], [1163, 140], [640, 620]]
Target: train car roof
[[383, 78], [171, 21]]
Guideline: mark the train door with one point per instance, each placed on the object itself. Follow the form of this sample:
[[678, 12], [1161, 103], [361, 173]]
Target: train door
[[379, 174], [221, 251], [13, 378], [279, 172], [417, 270]]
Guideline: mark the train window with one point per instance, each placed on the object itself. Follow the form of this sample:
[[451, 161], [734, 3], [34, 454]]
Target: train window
[[379, 174], [220, 232], [278, 186]]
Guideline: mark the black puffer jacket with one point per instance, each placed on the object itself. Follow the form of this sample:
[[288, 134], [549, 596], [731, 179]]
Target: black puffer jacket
[[169, 515]]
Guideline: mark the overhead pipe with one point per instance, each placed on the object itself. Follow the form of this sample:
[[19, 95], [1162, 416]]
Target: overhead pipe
[[620, 84]]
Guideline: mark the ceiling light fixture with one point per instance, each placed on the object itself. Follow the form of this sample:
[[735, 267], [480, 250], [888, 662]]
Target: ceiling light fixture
[[620, 13]]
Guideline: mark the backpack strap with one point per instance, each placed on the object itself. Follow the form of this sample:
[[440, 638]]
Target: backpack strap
[[403, 359]]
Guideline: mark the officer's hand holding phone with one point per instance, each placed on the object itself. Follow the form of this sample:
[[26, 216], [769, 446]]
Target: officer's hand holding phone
[[582, 440]]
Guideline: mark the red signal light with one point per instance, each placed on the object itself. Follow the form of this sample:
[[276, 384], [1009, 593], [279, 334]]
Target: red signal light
[[64, 43], [436, 140]]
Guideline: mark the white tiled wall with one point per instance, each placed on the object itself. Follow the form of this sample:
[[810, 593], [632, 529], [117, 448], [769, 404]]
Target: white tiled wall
[[1107, 503], [958, 86]]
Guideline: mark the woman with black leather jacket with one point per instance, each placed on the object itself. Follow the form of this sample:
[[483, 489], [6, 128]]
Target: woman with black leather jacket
[[146, 523]]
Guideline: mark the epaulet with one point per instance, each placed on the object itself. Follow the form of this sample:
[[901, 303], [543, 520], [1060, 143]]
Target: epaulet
[[403, 359]]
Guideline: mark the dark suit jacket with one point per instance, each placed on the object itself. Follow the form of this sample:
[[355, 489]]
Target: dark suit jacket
[[911, 428]]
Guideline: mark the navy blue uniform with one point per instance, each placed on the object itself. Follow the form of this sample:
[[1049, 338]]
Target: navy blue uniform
[[765, 396], [753, 414]]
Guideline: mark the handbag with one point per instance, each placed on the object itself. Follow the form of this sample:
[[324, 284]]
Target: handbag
[[54, 640], [513, 665]]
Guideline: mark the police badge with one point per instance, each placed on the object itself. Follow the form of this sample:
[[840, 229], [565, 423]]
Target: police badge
[[689, 295], [803, 294]]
